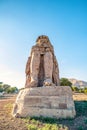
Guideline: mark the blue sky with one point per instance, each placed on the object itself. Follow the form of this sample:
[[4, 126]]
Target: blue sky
[[22, 21]]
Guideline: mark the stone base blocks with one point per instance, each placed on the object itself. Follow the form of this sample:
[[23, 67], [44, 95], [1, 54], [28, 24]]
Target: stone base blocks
[[50, 101]]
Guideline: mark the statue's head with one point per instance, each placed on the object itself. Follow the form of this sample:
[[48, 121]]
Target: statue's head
[[43, 40]]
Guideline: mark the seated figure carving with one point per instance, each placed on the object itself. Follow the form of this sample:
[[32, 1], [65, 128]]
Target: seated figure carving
[[42, 67]]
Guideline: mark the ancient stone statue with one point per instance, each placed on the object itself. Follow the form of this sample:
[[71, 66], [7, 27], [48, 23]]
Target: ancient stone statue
[[35, 100], [42, 68]]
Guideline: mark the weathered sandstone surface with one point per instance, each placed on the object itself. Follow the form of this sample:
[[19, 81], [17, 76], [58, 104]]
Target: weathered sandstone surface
[[48, 101], [42, 67]]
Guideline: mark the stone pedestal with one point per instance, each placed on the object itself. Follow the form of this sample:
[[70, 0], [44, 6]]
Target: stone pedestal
[[50, 101]]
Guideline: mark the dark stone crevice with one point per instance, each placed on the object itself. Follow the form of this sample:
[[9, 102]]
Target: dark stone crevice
[[41, 71]]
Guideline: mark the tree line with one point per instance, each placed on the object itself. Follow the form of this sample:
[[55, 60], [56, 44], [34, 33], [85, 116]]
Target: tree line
[[66, 82], [7, 88], [63, 82]]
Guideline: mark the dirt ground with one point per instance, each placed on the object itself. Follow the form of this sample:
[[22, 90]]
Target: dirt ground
[[79, 97], [7, 122]]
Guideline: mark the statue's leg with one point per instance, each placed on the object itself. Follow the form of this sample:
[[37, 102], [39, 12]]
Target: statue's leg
[[48, 68], [34, 68], [27, 71]]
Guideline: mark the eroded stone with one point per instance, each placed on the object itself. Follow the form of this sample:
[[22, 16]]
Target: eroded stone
[[41, 102], [42, 67]]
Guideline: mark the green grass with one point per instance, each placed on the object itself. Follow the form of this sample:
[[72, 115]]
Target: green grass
[[85, 121], [80, 128], [43, 123], [81, 108]]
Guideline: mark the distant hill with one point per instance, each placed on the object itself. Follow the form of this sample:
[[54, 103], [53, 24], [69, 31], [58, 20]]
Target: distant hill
[[78, 83]]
